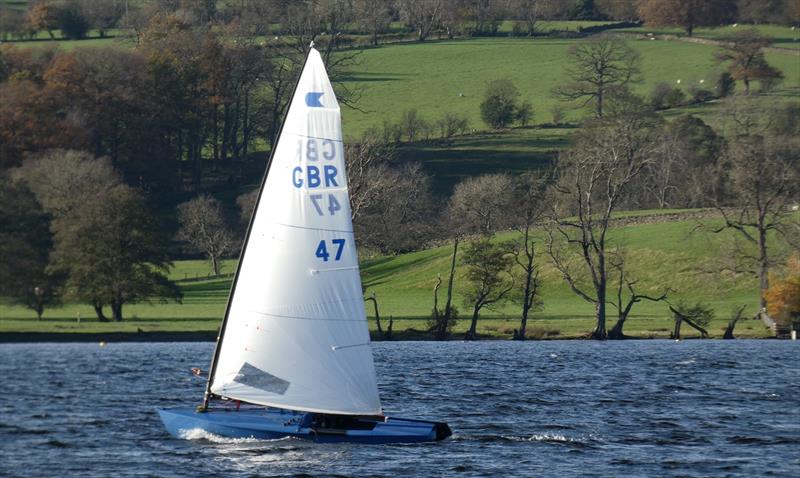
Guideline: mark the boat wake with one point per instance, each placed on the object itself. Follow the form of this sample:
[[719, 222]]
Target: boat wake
[[198, 434]]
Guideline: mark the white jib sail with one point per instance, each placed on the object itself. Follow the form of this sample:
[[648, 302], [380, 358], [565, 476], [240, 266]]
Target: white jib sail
[[296, 335]]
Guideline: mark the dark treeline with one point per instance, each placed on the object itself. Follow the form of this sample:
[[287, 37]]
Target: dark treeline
[[372, 21]]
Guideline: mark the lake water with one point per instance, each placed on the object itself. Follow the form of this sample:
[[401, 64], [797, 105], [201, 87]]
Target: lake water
[[638, 408]]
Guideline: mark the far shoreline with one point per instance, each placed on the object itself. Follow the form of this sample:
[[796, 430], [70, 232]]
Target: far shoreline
[[205, 336]]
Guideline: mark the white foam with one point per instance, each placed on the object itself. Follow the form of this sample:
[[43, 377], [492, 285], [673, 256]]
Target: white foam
[[200, 434]]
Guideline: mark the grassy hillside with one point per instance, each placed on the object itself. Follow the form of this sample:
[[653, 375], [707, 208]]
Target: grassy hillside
[[661, 254], [432, 77]]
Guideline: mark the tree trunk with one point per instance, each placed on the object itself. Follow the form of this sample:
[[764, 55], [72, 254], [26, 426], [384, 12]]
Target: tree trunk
[[527, 301], [214, 264], [116, 310], [377, 315], [728, 335], [447, 306], [763, 265], [474, 325], [703, 332], [616, 332], [676, 332], [98, 309], [599, 332]]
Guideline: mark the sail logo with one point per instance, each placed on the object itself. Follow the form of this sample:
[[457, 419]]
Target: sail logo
[[313, 99]]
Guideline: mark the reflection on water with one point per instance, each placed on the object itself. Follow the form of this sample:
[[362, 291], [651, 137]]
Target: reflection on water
[[657, 408]]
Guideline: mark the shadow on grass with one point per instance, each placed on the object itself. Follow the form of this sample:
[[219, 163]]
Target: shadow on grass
[[381, 271]]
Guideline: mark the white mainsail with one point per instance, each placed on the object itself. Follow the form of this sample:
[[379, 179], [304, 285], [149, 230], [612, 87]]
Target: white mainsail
[[296, 335]]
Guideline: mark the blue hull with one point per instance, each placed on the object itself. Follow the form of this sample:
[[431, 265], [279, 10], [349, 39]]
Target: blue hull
[[274, 423]]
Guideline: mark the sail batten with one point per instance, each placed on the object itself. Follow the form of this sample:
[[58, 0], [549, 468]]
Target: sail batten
[[286, 318]]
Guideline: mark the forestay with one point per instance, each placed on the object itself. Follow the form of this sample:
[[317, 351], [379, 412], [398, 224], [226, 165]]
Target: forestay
[[296, 334]]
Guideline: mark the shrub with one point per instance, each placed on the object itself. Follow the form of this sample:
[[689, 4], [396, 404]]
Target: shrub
[[675, 97], [700, 95], [525, 113], [557, 113], [499, 106], [659, 94], [725, 84]]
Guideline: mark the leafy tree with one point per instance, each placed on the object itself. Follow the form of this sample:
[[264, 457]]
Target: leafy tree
[[477, 205], [698, 316], [25, 242], [488, 278], [525, 113], [687, 14], [725, 85], [72, 23], [203, 227], [499, 106], [112, 253], [598, 66], [45, 15], [747, 61], [783, 294]]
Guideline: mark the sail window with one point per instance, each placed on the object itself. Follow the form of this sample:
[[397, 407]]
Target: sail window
[[255, 377]]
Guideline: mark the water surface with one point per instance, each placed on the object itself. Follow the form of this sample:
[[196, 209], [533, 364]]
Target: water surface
[[638, 408]]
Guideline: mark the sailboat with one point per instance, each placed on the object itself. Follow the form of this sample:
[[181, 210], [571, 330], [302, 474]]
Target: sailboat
[[293, 356]]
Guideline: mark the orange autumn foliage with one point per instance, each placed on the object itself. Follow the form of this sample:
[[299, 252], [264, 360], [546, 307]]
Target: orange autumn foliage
[[783, 295]]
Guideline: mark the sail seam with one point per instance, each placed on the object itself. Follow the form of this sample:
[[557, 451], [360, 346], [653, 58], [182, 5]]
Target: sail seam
[[280, 316], [315, 137], [312, 228]]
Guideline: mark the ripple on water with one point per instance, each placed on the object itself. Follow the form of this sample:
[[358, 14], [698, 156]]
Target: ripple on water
[[639, 408]]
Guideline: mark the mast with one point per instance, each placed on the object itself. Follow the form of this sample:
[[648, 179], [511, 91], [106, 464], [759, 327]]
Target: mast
[[221, 334]]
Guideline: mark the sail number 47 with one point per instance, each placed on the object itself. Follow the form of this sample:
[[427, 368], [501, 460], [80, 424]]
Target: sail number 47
[[332, 206], [322, 249]]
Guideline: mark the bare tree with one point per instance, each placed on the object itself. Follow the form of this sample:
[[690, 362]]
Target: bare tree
[[65, 180], [373, 16], [598, 66], [203, 226], [624, 304], [762, 181], [531, 13], [422, 15], [398, 217], [595, 176], [737, 316], [525, 214]]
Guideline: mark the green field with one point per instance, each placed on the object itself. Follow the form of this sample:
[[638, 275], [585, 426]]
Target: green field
[[432, 77], [661, 254]]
